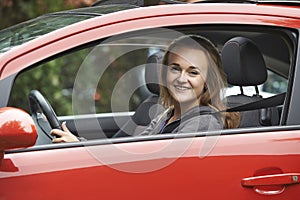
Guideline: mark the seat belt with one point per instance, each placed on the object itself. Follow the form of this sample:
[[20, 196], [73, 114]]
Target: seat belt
[[170, 127], [272, 101]]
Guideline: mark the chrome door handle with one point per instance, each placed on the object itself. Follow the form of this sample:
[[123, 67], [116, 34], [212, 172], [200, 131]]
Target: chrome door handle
[[271, 184], [276, 179]]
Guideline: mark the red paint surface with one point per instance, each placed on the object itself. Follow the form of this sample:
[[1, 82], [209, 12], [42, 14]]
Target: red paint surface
[[76, 173], [17, 129]]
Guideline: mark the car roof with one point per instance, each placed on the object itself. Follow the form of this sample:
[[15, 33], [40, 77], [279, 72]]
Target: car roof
[[157, 2]]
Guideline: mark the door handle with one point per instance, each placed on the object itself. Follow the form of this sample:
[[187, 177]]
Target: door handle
[[276, 179], [271, 184]]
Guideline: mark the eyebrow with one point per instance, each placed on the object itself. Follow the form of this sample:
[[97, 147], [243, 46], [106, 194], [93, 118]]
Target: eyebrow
[[174, 64], [191, 67]]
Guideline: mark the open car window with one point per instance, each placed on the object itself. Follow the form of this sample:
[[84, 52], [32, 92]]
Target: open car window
[[107, 77], [83, 82]]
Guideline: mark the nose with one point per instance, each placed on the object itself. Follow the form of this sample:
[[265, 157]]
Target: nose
[[182, 77]]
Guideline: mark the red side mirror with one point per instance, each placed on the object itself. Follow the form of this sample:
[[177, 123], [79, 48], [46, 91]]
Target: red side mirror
[[17, 129]]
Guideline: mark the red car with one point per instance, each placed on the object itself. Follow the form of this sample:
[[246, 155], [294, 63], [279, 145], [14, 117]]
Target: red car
[[89, 68]]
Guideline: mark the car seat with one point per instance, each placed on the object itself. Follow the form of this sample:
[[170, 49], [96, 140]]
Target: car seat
[[150, 107], [244, 65]]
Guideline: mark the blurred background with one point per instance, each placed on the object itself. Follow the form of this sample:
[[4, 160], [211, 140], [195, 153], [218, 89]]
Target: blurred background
[[15, 11]]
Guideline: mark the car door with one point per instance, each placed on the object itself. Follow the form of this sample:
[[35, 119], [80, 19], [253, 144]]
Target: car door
[[259, 165], [252, 163]]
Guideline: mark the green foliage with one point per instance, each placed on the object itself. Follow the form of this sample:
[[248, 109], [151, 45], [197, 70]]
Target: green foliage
[[55, 78], [51, 79], [16, 11]]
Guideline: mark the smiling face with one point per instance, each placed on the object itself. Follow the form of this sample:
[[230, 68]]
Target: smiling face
[[186, 75]]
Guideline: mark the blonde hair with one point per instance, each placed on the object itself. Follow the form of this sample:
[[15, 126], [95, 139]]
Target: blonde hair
[[215, 80]]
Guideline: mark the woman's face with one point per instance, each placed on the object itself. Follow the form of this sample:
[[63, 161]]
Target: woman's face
[[186, 75]]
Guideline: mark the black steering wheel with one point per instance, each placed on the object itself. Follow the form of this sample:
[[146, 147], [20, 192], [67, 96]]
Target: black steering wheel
[[38, 102]]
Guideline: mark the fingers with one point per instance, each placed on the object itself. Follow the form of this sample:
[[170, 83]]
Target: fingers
[[57, 132], [63, 135], [57, 140], [64, 127], [60, 133]]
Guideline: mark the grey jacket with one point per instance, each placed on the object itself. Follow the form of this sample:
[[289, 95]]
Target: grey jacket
[[195, 123]]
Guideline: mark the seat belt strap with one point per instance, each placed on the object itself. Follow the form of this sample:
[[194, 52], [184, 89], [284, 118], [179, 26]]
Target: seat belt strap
[[170, 127], [273, 101]]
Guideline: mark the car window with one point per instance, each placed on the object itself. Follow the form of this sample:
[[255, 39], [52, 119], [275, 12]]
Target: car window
[[56, 79], [108, 75], [275, 84]]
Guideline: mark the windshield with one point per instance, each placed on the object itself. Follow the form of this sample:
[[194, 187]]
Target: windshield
[[29, 30]]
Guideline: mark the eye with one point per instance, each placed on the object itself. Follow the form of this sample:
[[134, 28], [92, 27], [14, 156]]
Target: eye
[[174, 68], [194, 72]]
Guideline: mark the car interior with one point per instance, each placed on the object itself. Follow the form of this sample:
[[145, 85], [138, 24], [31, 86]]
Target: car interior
[[244, 65], [108, 88]]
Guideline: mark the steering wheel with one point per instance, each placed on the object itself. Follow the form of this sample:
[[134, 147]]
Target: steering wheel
[[37, 101]]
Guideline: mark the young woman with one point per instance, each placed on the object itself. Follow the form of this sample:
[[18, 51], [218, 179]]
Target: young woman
[[191, 84], [192, 80]]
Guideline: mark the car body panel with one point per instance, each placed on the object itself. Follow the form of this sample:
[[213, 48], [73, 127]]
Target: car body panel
[[210, 165], [103, 169]]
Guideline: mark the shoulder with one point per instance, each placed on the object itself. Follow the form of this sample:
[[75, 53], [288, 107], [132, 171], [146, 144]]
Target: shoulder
[[157, 123], [201, 118]]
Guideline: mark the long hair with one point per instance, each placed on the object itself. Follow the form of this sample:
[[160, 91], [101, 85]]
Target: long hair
[[215, 80]]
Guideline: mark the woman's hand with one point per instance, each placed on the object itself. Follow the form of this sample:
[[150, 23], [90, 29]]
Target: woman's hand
[[63, 135]]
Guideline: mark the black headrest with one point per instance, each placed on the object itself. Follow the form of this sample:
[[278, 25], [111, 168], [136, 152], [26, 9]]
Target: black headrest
[[152, 71], [243, 63]]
